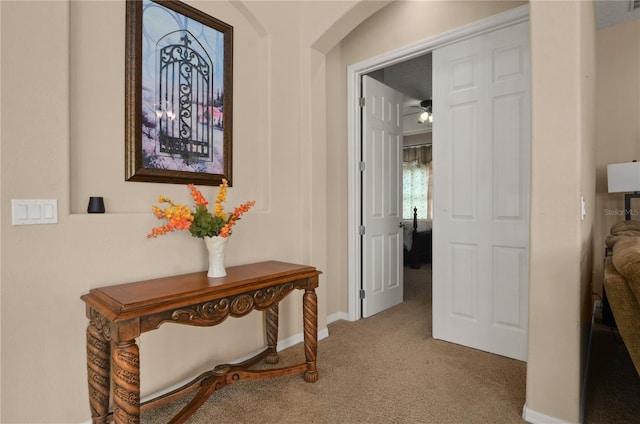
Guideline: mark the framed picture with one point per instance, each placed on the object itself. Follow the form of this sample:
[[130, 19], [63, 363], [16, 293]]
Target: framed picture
[[178, 94]]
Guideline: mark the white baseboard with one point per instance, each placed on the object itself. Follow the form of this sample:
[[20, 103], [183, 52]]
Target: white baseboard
[[337, 317], [288, 342], [535, 417], [282, 344]]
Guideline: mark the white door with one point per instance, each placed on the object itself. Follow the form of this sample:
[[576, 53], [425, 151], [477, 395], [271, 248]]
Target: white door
[[381, 197], [481, 192]]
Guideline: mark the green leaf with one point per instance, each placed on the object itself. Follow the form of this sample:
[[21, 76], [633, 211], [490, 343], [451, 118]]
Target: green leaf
[[204, 224]]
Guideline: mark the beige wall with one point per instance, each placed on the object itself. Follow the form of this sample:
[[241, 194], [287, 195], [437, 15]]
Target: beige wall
[[562, 40], [285, 157], [618, 124], [62, 138], [1, 218], [587, 135]]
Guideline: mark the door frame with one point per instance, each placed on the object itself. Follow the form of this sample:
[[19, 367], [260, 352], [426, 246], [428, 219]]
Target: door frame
[[354, 121]]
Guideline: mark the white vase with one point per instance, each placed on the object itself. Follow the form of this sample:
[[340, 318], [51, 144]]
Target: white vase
[[216, 246]]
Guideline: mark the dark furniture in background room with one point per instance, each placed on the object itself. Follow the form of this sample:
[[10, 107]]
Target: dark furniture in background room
[[420, 242]]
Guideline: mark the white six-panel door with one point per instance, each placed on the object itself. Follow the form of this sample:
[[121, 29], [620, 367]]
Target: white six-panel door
[[382, 271], [481, 191]]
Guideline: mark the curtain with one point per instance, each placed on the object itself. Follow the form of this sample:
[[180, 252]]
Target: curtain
[[417, 182]]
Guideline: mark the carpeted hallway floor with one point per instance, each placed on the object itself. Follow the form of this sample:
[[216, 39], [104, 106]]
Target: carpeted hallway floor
[[388, 369]]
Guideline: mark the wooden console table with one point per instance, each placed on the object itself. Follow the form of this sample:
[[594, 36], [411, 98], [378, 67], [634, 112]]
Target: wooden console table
[[120, 313]]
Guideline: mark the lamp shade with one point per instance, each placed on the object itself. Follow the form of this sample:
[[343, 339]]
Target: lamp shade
[[623, 177]]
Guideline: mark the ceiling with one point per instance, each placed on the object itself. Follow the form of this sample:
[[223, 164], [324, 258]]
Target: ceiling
[[413, 77]]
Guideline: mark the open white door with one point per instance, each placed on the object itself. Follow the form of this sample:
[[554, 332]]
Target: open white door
[[482, 191], [381, 230]]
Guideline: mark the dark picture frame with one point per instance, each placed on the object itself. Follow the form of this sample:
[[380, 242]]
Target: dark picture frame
[[178, 94]]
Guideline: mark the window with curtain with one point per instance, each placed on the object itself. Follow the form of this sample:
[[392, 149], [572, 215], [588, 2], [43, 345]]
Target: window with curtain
[[417, 185]]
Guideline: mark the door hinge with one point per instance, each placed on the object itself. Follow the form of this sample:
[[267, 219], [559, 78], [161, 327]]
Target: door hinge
[[362, 101], [362, 230], [362, 166], [362, 294]]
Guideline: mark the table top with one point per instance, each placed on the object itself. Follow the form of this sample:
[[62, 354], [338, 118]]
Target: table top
[[133, 298]]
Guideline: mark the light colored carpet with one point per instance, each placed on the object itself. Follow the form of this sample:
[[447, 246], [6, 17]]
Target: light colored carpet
[[386, 369]]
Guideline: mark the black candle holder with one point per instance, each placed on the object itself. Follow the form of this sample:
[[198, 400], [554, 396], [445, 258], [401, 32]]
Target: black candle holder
[[96, 205]]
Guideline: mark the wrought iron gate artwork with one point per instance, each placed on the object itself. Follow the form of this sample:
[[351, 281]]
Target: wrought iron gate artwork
[[178, 94], [185, 99]]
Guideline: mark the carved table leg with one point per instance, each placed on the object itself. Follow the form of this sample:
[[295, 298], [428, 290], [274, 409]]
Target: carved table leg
[[125, 373], [310, 317], [98, 369], [272, 334]]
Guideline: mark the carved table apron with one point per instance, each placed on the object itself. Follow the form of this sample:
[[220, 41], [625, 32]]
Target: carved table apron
[[120, 313]]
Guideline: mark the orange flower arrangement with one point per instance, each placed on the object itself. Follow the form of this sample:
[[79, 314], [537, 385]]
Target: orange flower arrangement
[[200, 222]]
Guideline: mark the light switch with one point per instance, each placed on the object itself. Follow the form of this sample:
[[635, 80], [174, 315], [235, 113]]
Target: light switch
[[48, 211], [34, 211], [20, 212]]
